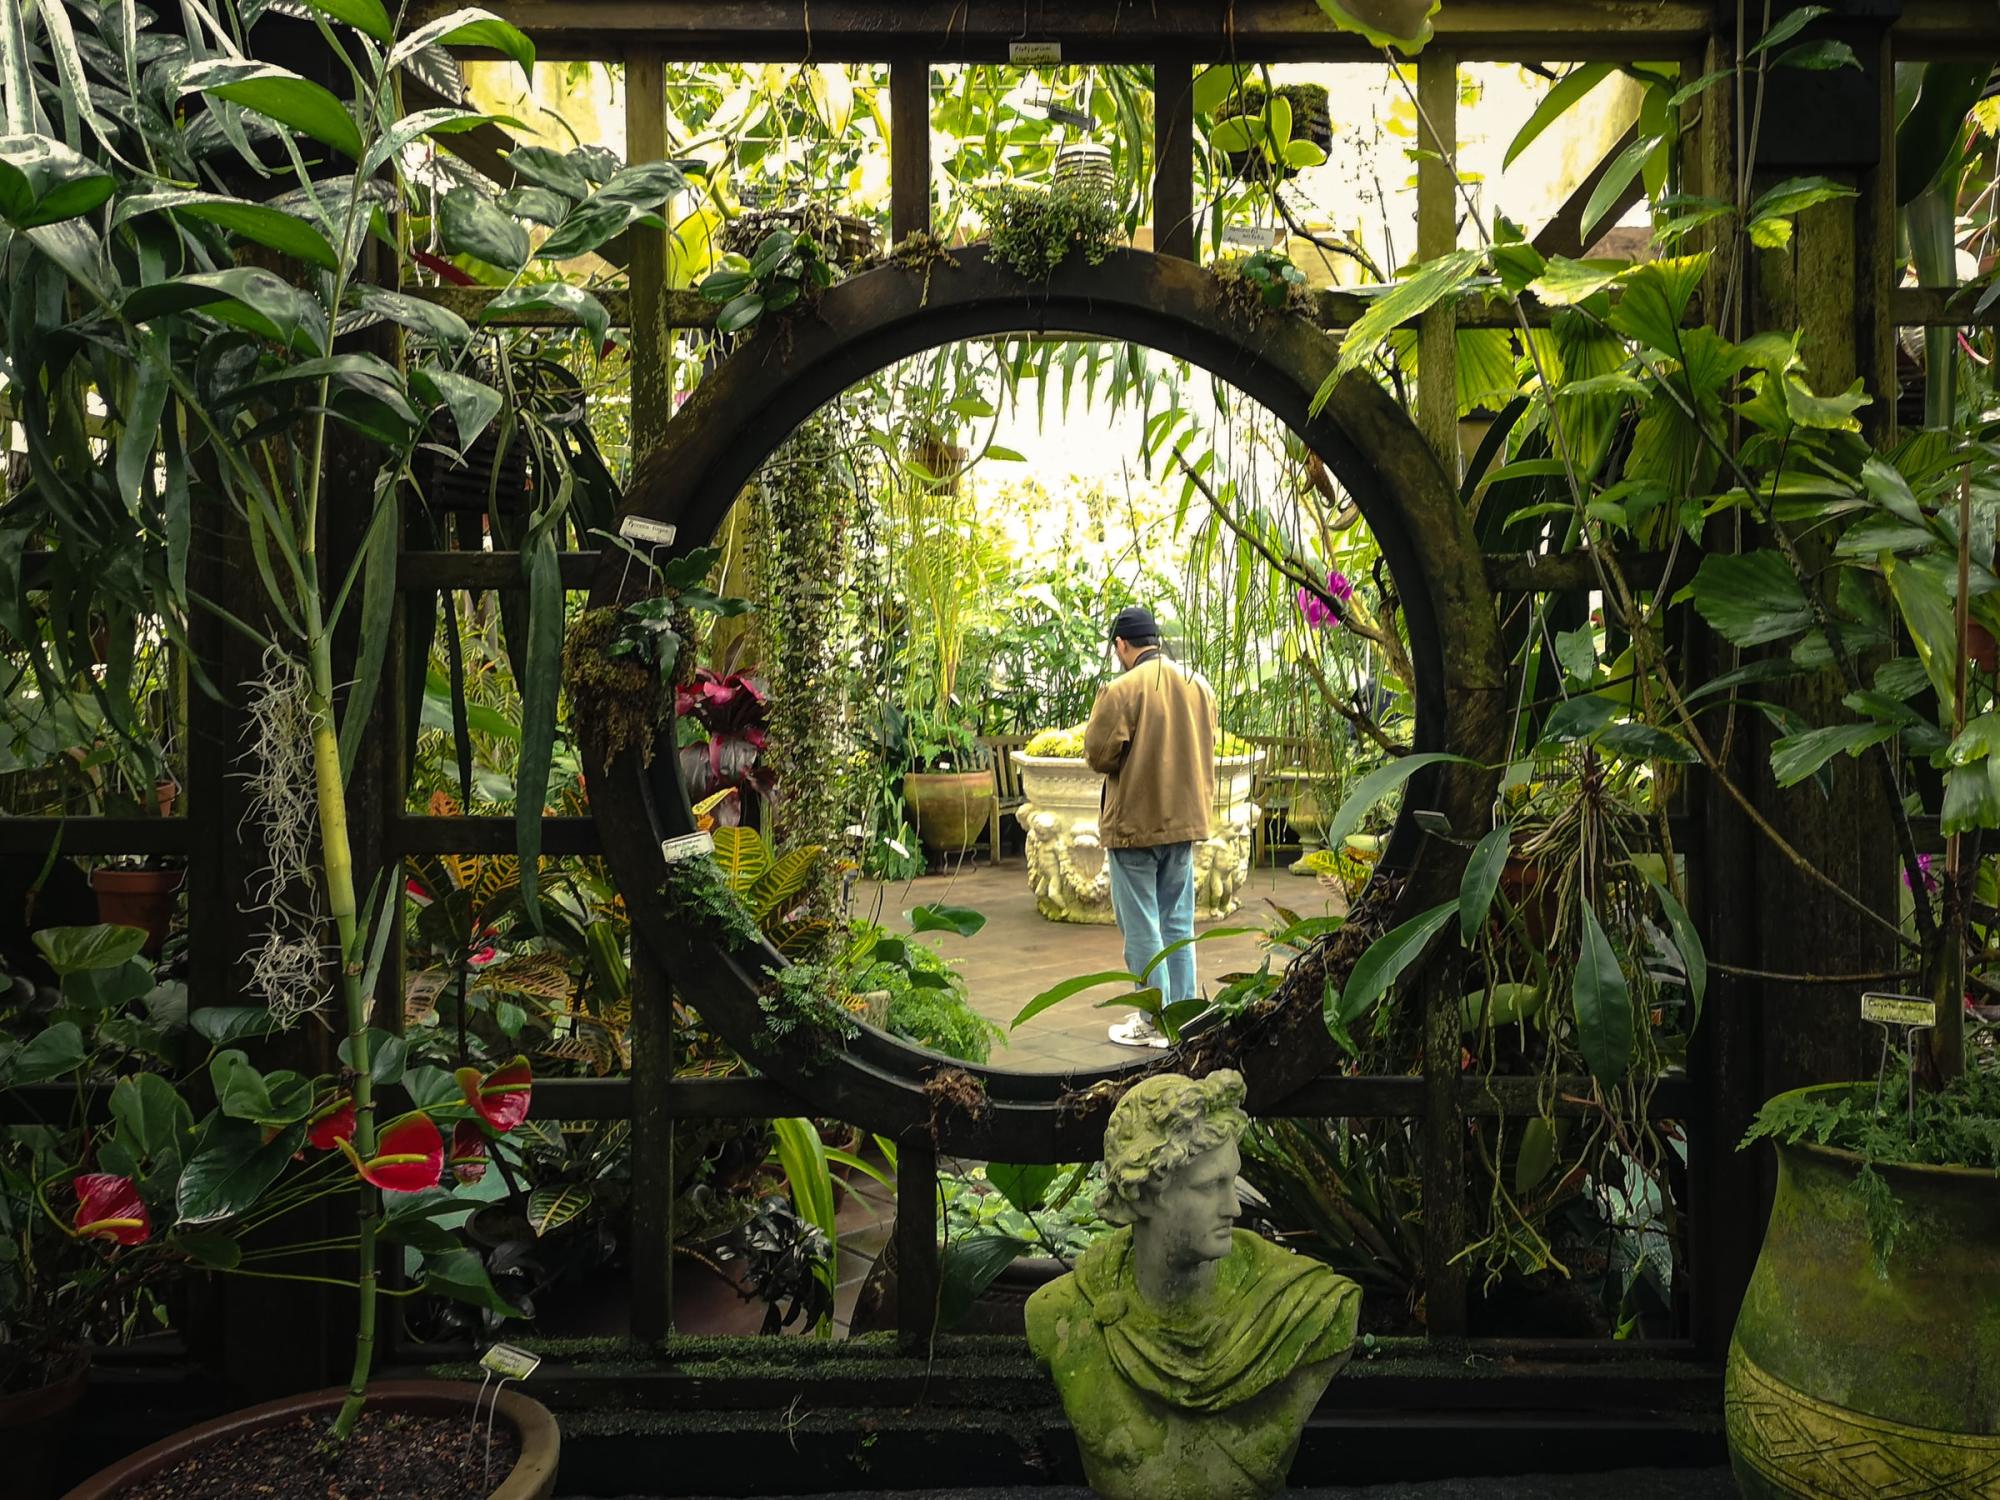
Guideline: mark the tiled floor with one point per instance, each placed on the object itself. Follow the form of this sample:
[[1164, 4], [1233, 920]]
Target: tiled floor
[[1018, 954]]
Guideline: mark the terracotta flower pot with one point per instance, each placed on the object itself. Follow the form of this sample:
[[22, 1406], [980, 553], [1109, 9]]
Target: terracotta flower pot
[[1849, 1379], [34, 1423], [138, 898], [533, 1476]]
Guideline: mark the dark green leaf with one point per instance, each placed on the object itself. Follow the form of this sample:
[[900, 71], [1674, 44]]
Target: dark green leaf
[[43, 182], [152, 1118], [1563, 93], [271, 227], [1750, 598], [208, 1247], [472, 403], [1797, 756], [245, 296], [230, 1168], [1058, 993], [103, 945], [468, 28], [1481, 880], [550, 169], [1378, 784], [470, 223], [1384, 962], [1603, 1005], [937, 917], [557, 296], [461, 1275], [222, 1024], [365, 16], [415, 314], [1928, 135], [55, 1051], [108, 989], [1645, 742], [1023, 1186], [1694, 957], [1789, 25], [386, 1055], [969, 1268], [281, 95]]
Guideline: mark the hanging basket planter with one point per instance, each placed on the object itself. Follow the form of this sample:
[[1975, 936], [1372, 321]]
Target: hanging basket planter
[[1312, 120], [1085, 168], [847, 240]]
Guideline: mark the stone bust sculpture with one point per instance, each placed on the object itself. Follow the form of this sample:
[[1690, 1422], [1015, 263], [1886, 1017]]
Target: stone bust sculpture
[[1188, 1353]]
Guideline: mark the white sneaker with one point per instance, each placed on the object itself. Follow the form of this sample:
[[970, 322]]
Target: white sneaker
[[1136, 1031]]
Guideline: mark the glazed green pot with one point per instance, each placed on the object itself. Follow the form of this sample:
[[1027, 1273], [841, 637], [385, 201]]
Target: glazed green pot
[[1849, 1384]]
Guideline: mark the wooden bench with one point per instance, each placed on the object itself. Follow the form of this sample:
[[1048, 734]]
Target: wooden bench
[[1007, 796]]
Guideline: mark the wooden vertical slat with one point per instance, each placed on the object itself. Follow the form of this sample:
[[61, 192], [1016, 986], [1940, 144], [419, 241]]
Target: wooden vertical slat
[[1443, 1155], [652, 994], [917, 1268], [909, 148], [1877, 265], [1437, 234], [1173, 159]]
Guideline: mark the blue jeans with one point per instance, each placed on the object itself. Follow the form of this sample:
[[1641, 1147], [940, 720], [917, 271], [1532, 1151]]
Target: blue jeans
[[1152, 893]]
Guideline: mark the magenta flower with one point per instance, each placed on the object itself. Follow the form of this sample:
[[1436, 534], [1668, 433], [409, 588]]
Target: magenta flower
[[1317, 611], [1931, 882]]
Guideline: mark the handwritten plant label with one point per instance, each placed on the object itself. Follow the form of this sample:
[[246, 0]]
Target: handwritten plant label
[[639, 529], [1032, 54], [1898, 1010], [686, 846], [509, 1362]]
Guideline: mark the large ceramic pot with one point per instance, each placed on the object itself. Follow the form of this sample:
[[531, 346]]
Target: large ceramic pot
[[1067, 866], [950, 808], [34, 1423], [1847, 1381], [533, 1476]]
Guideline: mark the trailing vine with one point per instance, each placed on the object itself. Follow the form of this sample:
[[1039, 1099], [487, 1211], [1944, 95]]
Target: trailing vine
[[805, 539], [1034, 229]]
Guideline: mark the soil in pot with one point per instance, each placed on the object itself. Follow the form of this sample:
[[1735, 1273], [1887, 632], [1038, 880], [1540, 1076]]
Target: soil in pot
[[393, 1455]]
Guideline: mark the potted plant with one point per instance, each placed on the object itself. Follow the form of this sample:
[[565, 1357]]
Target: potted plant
[[947, 789], [1272, 134], [1869, 1325], [1067, 866]]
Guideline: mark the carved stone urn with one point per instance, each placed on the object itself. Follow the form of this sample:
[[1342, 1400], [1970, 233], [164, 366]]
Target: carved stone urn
[[1067, 867]]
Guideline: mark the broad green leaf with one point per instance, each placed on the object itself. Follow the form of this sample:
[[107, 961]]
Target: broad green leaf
[[1540, 1151], [279, 94], [230, 1167], [781, 882], [1402, 24], [387, 1056], [536, 203], [1200, 937], [1565, 282], [152, 1118], [1603, 1005], [468, 28], [108, 989], [471, 223], [1565, 92], [1694, 957], [461, 1275], [247, 297], [1378, 784], [937, 917], [739, 313], [969, 1267], [1797, 756], [55, 1051], [414, 313], [1818, 57], [1971, 797], [1645, 742], [472, 403], [553, 296], [210, 1248], [1214, 84], [549, 169], [1653, 301], [103, 945], [1750, 598], [43, 182], [1058, 993], [1407, 299], [1928, 136], [222, 1024], [1023, 1186], [1384, 962], [1481, 880]]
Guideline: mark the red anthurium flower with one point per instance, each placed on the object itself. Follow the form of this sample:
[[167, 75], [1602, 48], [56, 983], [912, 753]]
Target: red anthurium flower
[[110, 1208], [501, 1097], [409, 1156], [469, 1152], [332, 1123]]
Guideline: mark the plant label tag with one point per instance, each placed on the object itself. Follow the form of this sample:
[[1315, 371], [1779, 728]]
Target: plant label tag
[[1898, 1010], [1033, 54], [509, 1362], [639, 529], [686, 846], [1249, 237]]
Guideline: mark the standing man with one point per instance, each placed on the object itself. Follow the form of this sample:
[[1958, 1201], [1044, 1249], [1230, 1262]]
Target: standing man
[[1152, 736]]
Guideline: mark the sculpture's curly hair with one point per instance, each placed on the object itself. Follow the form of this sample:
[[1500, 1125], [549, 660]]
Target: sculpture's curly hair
[[1160, 1126]]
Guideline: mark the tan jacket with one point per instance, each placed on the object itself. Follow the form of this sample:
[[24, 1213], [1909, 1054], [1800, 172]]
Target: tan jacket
[[1152, 733]]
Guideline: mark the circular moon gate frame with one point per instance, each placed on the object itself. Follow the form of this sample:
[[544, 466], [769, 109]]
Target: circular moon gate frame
[[744, 411]]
